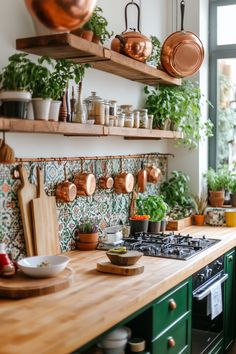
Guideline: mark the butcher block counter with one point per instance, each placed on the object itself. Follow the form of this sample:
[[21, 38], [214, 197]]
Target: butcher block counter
[[66, 320]]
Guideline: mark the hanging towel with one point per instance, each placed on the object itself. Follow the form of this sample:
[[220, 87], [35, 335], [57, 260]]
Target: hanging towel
[[214, 300]]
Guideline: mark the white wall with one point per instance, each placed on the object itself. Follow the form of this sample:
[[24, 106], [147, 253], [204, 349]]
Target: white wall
[[15, 22]]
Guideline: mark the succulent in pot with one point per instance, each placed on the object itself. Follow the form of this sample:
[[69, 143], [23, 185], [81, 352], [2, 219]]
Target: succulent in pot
[[88, 236], [15, 81], [200, 205]]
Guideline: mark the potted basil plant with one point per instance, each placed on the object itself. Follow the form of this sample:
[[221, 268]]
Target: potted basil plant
[[15, 86]]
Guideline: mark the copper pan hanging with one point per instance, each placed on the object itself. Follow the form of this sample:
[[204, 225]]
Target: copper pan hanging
[[182, 53]]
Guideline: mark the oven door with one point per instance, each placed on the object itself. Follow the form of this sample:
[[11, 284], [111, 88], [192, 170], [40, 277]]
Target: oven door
[[206, 332]]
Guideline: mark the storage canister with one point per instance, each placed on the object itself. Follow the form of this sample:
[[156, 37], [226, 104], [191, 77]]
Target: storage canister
[[96, 108], [113, 108], [144, 118], [136, 118]]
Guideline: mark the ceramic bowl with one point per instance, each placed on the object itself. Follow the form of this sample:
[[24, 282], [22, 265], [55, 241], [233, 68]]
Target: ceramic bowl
[[124, 259], [43, 266]]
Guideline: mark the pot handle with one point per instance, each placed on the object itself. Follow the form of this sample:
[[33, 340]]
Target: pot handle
[[126, 17], [122, 40], [182, 8]]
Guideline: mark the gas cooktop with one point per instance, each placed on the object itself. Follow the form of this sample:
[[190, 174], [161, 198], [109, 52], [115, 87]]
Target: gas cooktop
[[168, 245]]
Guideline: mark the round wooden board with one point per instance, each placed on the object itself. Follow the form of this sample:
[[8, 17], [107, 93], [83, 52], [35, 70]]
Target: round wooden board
[[22, 286], [108, 267]]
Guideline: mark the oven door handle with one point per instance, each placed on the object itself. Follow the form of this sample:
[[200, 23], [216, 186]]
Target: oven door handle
[[200, 295]]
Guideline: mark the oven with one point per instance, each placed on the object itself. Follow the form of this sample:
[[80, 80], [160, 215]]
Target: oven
[[207, 306]]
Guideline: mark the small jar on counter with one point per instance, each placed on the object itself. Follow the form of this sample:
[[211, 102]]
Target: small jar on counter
[[136, 118], [144, 118], [121, 119], [113, 108], [150, 121], [129, 119]]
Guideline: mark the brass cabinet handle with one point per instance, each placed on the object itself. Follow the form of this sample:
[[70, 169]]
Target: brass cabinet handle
[[172, 304], [171, 342]]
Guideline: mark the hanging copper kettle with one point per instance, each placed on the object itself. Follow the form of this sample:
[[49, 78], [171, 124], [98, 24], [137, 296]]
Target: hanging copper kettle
[[132, 43]]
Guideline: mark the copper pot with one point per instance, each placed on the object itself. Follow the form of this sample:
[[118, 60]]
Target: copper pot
[[182, 52], [85, 183], [106, 182], [124, 182], [153, 174], [61, 15], [142, 177], [66, 191], [132, 43]]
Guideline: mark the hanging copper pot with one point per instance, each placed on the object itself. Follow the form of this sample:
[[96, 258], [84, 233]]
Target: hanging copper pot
[[61, 15], [106, 181], [66, 191], [123, 182], [153, 174], [182, 52], [142, 176], [85, 183], [132, 43]]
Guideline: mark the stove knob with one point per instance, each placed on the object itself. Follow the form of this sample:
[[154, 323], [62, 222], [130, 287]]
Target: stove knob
[[208, 272], [201, 276], [219, 264]]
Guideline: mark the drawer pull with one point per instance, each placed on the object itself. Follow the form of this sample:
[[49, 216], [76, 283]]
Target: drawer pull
[[230, 258], [172, 305], [171, 342]]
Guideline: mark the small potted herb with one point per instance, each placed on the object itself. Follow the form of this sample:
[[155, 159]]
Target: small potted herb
[[200, 205], [88, 236], [217, 182], [139, 223], [156, 208], [15, 85]]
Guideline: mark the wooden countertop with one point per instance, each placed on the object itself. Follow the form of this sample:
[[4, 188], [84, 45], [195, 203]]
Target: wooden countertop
[[66, 320]]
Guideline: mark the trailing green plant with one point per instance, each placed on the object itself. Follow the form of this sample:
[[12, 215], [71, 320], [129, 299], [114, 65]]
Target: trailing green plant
[[181, 105], [154, 58], [177, 195], [154, 206], [200, 204], [17, 74], [88, 228], [98, 24], [217, 180]]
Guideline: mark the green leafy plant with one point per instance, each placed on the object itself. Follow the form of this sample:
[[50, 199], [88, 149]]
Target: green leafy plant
[[154, 58], [177, 194], [200, 204], [217, 180], [154, 206], [232, 184], [40, 78], [98, 24], [88, 228], [181, 106], [17, 74]]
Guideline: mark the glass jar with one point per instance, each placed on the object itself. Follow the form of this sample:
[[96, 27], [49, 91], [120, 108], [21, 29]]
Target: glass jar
[[113, 108], [136, 118], [129, 120], [150, 121], [107, 112], [95, 108], [144, 118], [121, 119]]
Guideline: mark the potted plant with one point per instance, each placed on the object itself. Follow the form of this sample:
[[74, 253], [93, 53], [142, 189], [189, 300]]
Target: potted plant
[[156, 208], [15, 81], [179, 108], [200, 205], [217, 182], [138, 223], [232, 188], [88, 236], [96, 28], [154, 59]]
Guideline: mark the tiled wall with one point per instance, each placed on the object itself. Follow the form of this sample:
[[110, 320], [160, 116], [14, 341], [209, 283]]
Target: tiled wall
[[104, 207]]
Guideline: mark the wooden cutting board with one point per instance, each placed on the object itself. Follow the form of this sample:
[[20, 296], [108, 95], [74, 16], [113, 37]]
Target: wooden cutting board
[[26, 194], [108, 267], [44, 220], [22, 286]]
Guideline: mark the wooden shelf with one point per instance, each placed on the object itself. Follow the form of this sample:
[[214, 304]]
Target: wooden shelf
[[75, 129], [70, 46]]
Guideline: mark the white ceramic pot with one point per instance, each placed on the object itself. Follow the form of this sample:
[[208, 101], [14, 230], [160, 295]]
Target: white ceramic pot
[[21, 96], [30, 111], [41, 108], [54, 110]]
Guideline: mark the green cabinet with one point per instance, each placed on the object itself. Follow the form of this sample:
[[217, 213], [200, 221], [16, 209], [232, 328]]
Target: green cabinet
[[229, 299]]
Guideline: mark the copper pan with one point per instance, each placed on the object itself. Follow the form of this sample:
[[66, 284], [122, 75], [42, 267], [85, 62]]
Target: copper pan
[[61, 15], [182, 52]]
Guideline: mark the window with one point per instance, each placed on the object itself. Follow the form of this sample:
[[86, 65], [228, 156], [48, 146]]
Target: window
[[222, 41]]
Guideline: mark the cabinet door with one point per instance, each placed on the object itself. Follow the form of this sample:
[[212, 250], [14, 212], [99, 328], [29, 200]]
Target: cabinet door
[[229, 300]]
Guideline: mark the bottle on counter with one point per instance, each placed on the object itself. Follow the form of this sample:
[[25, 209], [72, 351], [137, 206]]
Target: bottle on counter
[[80, 115]]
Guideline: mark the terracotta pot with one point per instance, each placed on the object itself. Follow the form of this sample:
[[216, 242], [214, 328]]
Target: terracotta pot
[[88, 238], [124, 183], [106, 182], [85, 34], [66, 191], [96, 39], [199, 219], [216, 198], [153, 174], [85, 183], [85, 246]]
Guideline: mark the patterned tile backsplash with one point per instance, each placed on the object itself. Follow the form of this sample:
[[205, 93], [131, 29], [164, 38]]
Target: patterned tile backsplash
[[104, 207]]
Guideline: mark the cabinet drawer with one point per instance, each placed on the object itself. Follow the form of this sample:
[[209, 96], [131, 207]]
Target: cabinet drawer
[[171, 307], [175, 340]]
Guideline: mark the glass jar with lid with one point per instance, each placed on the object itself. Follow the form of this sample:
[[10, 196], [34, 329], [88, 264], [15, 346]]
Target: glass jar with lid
[[144, 118], [113, 108], [129, 119], [136, 118], [96, 108], [107, 112]]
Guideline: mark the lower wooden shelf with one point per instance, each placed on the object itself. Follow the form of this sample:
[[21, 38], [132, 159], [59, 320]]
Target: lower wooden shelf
[[76, 129]]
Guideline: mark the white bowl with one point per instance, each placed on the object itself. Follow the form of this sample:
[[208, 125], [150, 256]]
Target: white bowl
[[118, 334], [43, 266], [112, 344]]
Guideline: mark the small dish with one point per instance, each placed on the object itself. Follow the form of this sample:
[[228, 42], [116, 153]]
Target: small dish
[[43, 266], [124, 259]]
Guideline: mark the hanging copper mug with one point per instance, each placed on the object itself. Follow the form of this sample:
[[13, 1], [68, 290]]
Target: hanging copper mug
[[85, 183], [106, 181], [66, 191], [123, 182]]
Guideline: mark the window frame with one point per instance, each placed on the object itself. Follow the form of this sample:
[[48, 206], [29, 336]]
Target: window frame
[[216, 52]]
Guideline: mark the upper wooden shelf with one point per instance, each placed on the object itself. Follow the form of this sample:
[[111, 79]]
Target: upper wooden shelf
[[70, 46], [75, 129]]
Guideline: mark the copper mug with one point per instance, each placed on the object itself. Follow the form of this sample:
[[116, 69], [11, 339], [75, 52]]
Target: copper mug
[[124, 183], [66, 191], [85, 183], [153, 174], [106, 182]]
